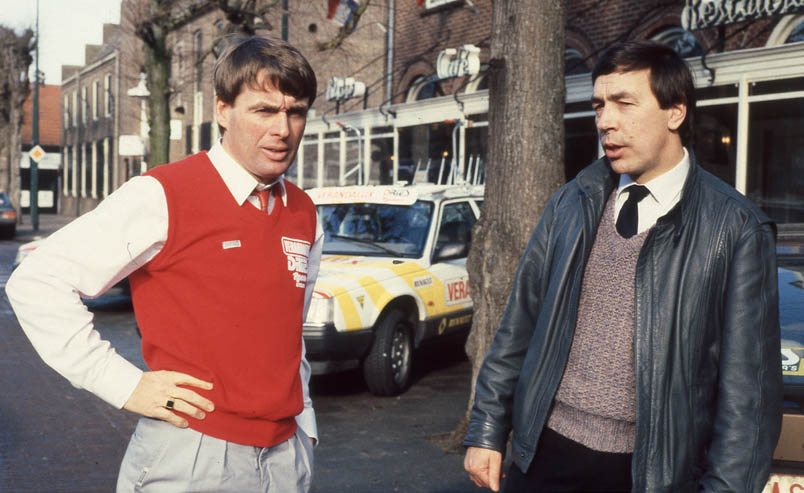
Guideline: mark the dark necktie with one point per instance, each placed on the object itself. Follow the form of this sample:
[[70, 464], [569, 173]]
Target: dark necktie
[[628, 220]]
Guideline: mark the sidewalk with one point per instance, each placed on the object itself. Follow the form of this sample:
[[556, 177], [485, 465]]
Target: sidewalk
[[48, 223]]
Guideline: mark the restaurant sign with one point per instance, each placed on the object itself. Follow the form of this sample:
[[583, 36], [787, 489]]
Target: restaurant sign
[[701, 14], [459, 62]]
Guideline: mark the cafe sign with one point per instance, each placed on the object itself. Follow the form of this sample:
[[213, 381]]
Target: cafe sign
[[341, 89], [701, 14], [459, 62]]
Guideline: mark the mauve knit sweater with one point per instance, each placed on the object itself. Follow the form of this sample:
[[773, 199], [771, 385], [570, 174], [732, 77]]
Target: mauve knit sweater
[[596, 403]]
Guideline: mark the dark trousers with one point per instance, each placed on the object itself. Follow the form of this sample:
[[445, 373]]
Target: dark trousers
[[562, 465]]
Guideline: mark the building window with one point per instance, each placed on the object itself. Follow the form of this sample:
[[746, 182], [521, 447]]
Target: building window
[[95, 99], [68, 170], [682, 41], [100, 165], [74, 108], [198, 106], [206, 136], [574, 62], [198, 47], [108, 185], [789, 29], [66, 111], [107, 91], [775, 146], [424, 88], [84, 105]]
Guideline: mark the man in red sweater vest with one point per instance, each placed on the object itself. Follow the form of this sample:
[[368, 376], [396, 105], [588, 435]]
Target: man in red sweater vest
[[222, 255]]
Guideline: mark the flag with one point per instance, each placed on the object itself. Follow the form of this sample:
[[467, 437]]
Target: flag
[[341, 11]]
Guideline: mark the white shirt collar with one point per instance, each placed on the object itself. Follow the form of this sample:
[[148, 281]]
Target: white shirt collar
[[239, 181], [665, 188]]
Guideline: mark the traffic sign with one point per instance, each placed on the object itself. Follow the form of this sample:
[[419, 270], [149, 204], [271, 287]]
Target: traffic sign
[[37, 153]]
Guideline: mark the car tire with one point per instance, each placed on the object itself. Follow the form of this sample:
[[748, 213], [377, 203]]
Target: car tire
[[387, 368], [8, 232]]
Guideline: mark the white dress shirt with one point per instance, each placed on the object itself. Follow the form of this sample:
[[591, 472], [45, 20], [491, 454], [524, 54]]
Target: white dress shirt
[[97, 250], [665, 192]]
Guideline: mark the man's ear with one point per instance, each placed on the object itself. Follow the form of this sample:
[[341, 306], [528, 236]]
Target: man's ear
[[222, 113], [678, 113]]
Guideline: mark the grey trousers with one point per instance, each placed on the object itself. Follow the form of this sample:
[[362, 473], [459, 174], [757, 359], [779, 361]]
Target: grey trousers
[[162, 458]]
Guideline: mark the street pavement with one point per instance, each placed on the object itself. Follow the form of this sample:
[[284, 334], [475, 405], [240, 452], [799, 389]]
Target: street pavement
[[56, 438]]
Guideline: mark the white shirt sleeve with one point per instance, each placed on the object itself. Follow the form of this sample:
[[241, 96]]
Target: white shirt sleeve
[[84, 259], [306, 420]]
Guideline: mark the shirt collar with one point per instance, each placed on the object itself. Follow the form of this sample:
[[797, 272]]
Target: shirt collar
[[239, 181], [666, 187]]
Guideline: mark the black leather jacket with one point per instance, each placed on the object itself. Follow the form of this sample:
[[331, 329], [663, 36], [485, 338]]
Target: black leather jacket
[[706, 345]]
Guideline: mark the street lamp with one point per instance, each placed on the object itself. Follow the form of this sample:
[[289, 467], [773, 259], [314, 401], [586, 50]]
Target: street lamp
[[141, 91]]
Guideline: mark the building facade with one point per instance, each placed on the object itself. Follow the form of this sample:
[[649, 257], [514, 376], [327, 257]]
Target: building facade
[[418, 113], [95, 113], [748, 68], [49, 122]]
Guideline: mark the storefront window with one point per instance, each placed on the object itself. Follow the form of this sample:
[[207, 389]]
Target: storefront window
[[477, 147], [353, 161], [580, 144], [717, 92], [332, 165], [776, 158], [776, 86], [422, 142], [382, 150], [715, 143], [310, 164]]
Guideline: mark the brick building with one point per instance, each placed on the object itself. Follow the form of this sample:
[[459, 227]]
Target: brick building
[[748, 68], [95, 113], [49, 140]]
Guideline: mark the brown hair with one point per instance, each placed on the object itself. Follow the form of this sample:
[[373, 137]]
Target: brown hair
[[245, 57], [670, 78]]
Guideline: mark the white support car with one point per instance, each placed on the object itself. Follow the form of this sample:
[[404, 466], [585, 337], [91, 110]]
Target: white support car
[[393, 275]]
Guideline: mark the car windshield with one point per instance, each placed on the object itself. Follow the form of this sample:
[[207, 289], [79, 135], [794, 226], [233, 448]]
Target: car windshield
[[376, 229]]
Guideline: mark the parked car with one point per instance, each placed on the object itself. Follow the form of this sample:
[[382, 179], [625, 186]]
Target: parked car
[[8, 217], [119, 293], [788, 468], [393, 276]]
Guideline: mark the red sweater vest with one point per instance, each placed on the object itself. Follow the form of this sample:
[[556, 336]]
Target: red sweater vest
[[223, 301]]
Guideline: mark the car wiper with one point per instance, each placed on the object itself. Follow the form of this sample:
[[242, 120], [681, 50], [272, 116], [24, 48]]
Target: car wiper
[[366, 242]]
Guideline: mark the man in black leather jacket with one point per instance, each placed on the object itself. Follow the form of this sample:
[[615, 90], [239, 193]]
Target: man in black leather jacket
[[639, 350]]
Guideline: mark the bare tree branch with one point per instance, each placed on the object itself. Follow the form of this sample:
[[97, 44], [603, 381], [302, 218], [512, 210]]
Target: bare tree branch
[[346, 30]]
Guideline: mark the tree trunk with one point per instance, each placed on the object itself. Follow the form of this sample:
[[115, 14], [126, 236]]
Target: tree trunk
[[15, 151], [526, 155], [157, 67]]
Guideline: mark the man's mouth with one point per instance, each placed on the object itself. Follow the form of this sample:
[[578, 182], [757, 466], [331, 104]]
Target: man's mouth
[[276, 153], [613, 151]]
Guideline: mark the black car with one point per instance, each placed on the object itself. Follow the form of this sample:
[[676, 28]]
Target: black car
[[8, 217], [788, 468]]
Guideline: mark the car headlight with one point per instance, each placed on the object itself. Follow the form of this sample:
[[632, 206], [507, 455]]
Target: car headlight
[[322, 310]]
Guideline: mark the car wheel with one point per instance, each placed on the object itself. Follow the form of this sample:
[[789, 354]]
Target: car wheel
[[8, 232], [387, 368]]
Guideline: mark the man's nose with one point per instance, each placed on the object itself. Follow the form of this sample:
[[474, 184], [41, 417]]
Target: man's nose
[[279, 126], [605, 119]]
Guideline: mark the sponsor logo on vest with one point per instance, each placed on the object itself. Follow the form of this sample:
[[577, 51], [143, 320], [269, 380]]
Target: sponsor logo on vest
[[230, 244], [456, 291], [297, 251]]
